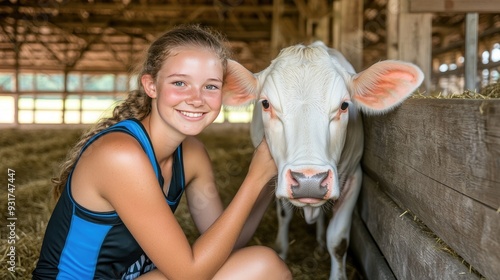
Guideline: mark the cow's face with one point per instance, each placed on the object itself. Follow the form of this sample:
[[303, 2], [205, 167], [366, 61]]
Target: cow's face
[[305, 101]]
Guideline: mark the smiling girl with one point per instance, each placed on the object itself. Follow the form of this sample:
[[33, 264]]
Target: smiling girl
[[120, 186]]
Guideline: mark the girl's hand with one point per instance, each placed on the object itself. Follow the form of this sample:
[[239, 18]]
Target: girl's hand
[[263, 164]]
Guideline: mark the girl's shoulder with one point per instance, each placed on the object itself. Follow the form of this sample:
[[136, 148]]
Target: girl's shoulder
[[116, 146]]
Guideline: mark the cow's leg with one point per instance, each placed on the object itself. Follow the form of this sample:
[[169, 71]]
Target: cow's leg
[[320, 233], [284, 211], [340, 225]]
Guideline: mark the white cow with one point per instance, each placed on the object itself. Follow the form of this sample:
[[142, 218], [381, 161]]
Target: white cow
[[309, 103]]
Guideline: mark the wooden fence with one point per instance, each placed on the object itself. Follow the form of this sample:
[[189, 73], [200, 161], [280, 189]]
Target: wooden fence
[[431, 191]]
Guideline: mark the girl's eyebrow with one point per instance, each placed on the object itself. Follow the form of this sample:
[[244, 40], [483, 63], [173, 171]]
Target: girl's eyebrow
[[215, 80], [178, 75]]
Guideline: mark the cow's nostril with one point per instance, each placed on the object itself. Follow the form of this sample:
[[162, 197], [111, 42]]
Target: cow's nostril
[[309, 186]]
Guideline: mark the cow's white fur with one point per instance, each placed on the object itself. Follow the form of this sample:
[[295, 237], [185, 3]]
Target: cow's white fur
[[307, 131]]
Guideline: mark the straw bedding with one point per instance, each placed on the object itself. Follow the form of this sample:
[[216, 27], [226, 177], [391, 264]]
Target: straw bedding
[[35, 154]]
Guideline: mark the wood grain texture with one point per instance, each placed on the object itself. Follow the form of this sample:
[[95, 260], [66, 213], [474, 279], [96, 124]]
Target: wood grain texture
[[365, 250], [464, 6], [410, 251], [441, 160]]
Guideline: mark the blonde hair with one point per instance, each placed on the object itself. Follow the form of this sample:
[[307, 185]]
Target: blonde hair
[[138, 104]]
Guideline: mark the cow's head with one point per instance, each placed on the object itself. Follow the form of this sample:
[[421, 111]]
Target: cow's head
[[306, 99]]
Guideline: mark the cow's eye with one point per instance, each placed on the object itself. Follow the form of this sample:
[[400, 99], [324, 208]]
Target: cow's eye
[[344, 106], [265, 104]]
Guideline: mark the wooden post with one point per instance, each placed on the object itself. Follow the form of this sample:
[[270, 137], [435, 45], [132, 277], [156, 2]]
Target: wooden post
[[318, 25], [16, 106], [349, 40], [409, 37], [471, 21], [336, 16], [392, 26], [65, 96], [17, 50], [276, 37]]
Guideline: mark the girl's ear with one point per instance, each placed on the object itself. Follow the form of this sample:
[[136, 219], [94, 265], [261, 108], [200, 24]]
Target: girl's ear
[[149, 85]]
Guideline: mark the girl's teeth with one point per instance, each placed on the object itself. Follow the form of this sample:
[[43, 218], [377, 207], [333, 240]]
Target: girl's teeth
[[192, 115]]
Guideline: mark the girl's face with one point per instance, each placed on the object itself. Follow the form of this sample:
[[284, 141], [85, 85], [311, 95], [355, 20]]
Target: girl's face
[[187, 92]]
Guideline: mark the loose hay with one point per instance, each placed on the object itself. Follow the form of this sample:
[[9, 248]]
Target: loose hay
[[36, 154], [440, 244], [488, 92]]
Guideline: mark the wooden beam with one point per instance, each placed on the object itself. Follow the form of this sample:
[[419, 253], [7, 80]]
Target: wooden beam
[[157, 10], [456, 6]]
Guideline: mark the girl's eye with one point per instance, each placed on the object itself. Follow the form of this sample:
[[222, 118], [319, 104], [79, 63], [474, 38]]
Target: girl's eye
[[179, 84], [265, 104], [211, 87]]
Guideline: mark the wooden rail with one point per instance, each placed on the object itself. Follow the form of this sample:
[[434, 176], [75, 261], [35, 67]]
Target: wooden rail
[[425, 161]]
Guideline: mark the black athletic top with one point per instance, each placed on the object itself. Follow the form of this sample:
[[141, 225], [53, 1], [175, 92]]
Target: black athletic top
[[83, 244]]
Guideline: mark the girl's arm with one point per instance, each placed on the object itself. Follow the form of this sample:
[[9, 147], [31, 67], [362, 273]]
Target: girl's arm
[[129, 184], [203, 197]]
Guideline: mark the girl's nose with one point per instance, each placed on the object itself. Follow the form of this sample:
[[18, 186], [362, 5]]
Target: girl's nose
[[195, 98]]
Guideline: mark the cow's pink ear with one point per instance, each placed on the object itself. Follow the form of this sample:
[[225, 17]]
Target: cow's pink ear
[[385, 85], [240, 85]]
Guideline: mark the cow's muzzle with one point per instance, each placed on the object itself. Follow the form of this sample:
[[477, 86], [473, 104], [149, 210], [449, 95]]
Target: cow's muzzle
[[312, 186]]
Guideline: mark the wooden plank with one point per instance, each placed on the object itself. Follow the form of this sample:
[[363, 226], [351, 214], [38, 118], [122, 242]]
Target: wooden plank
[[453, 141], [410, 251], [457, 6], [441, 160], [364, 249]]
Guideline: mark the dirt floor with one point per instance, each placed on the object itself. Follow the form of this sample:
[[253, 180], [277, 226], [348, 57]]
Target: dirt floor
[[34, 156]]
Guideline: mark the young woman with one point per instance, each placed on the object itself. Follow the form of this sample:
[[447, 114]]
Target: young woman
[[122, 182]]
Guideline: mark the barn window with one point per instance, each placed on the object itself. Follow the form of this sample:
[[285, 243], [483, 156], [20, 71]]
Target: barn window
[[6, 82], [495, 53], [7, 108]]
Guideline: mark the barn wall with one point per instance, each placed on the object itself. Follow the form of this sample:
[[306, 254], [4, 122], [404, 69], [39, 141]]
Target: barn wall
[[431, 188]]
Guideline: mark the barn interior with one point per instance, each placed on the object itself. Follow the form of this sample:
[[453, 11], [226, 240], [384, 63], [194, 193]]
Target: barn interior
[[65, 63], [44, 43]]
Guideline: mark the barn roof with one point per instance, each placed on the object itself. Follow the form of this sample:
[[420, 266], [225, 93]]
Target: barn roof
[[110, 35]]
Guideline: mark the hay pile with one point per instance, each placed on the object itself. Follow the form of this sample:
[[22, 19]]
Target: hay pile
[[36, 154]]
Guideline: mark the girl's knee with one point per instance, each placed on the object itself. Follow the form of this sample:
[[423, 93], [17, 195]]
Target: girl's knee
[[254, 262], [268, 264]]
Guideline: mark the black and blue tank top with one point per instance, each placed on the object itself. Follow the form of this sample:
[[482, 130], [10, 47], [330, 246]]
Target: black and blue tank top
[[83, 244]]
